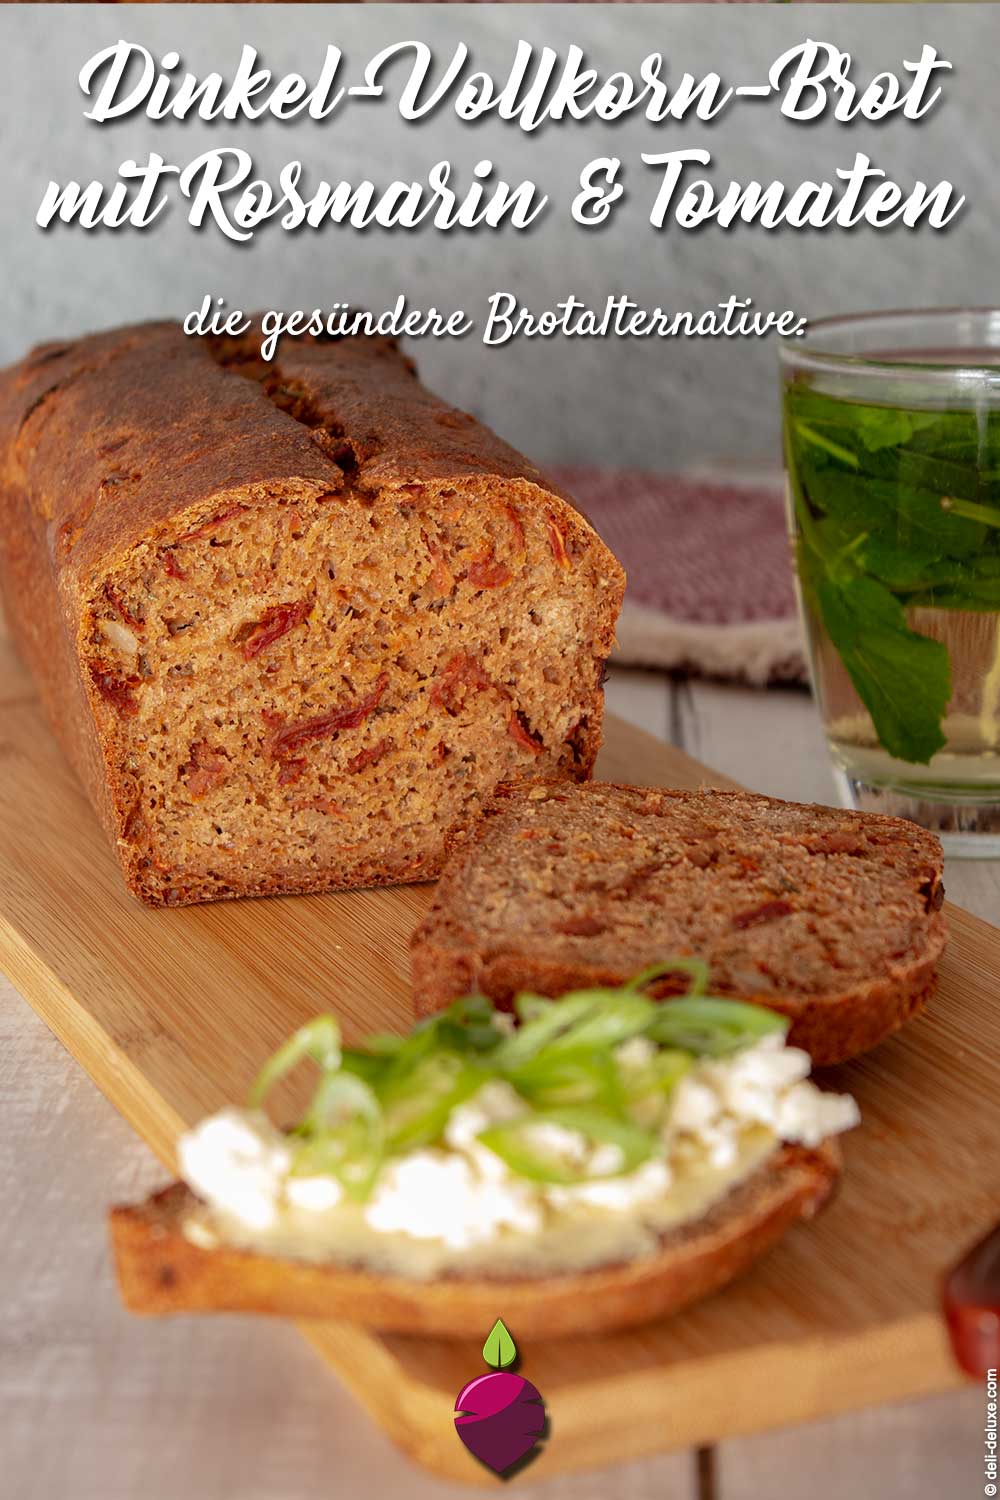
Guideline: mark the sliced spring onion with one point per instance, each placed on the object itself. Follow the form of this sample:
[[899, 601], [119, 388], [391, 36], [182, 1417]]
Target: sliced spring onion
[[381, 1045], [416, 1106], [352, 1155], [647, 1089], [370, 1066], [668, 1068], [711, 1028], [353, 1149], [550, 1019], [339, 1097], [598, 1019], [583, 1077], [342, 1134], [393, 1094], [517, 1145], [468, 1025], [318, 1040], [614, 1018], [696, 967], [465, 1027], [529, 1007]]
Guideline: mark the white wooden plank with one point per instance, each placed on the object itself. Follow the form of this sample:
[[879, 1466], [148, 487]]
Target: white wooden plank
[[641, 697], [769, 739], [923, 1450]]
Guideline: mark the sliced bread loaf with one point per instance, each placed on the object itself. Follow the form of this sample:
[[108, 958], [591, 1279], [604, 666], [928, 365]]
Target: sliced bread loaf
[[288, 620], [832, 918], [161, 1271]]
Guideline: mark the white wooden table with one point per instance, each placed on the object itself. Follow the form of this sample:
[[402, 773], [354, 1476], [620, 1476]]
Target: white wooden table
[[95, 1405]]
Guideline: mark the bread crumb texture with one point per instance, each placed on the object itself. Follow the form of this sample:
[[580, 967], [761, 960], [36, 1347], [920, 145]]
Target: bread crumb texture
[[290, 621], [829, 916]]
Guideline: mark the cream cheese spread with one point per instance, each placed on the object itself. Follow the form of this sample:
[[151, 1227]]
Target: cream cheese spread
[[457, 1206]]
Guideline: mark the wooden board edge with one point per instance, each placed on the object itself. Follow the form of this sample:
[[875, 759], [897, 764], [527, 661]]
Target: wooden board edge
[[726, 1396], [971, 927], [730, 1395], [120, 1080]]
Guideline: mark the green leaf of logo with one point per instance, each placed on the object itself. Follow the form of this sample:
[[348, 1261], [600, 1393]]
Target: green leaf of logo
[[499, 1349]]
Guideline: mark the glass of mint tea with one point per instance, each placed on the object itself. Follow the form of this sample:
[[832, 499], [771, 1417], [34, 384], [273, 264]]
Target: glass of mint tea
[[892, 458]]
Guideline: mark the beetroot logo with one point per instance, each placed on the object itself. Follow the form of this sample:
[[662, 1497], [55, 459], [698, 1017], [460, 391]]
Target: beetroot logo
[[500, 1417]]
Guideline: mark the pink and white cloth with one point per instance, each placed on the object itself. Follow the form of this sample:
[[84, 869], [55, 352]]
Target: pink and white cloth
[[709, 564]]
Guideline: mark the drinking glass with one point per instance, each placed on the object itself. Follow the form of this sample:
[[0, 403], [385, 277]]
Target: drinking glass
[[892, 462]]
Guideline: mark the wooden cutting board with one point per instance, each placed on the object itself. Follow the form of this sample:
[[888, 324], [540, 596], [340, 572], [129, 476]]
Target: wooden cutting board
[[171, 1012]]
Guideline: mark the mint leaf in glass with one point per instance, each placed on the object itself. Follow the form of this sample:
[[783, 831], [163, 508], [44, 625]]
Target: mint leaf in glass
[[902, 678], [897, 510]]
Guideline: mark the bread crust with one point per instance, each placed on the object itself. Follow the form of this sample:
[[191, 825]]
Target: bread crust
[[160, 1271], [448, 961], [116, 441]]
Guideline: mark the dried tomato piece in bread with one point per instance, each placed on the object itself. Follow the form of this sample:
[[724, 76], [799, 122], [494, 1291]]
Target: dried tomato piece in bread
[[831, 917], [239, 584]]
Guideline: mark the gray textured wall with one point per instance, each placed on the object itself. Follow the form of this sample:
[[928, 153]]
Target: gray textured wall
[[653, 403]]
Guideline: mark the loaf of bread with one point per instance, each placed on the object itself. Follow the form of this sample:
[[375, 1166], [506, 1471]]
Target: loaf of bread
[[161, 1271], [832, 918], [289, 621]]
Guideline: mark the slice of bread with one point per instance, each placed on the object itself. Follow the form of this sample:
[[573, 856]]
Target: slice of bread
[[832, 918], [161, 1271]]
